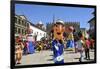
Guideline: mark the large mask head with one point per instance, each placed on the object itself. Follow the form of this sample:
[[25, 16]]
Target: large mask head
[[71, 29], [58, 30]]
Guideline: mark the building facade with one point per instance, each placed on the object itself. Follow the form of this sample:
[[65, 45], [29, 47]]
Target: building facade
[[40, 25], [21, 25], [37, 33], [92, 26], [92, 22], [76, 26]]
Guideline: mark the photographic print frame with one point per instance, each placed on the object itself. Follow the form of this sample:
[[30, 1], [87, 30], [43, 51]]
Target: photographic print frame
[[44, 4]]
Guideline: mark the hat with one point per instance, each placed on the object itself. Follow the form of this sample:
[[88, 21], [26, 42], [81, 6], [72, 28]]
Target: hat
[[59, 21]]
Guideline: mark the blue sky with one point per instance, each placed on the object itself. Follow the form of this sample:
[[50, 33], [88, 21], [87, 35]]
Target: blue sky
[[36, 13]]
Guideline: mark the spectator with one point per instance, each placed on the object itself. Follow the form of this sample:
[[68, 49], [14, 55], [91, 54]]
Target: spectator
[[25, 47], [87, 46], [18, 52], [80, 46]]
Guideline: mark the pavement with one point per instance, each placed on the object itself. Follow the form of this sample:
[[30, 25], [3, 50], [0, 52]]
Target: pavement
[[46, 57]]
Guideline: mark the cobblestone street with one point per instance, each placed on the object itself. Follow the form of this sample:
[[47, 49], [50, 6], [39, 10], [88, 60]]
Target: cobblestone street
[[45, 57]]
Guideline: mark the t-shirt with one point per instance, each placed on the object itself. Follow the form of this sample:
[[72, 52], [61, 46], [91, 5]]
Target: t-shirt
[[80, 44]]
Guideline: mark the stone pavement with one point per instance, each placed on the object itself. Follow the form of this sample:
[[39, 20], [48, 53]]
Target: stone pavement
[[45, 57]]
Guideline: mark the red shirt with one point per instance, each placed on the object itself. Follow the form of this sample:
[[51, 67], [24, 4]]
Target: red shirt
[[87, 43]]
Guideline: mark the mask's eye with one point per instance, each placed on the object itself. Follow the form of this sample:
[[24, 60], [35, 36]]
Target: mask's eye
[[56, 29], [56, 25]]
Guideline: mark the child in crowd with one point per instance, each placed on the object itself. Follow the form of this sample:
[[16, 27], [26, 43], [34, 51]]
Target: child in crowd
[[80, 46]]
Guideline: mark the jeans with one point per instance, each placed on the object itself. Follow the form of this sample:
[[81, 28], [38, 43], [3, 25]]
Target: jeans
[[87, 55], [81, 56]]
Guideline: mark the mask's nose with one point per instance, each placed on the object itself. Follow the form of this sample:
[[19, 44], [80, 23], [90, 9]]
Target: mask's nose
[[60, 28]]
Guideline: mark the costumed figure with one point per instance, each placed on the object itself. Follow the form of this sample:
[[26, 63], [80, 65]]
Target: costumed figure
[[70, 39], [31, 43], [18, 50], [57, 42]]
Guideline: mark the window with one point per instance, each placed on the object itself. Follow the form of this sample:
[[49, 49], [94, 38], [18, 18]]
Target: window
[[37, 33], [27, 25], [22, 22], [22, 31], [19, 21], [19, 30], [44, 34], [15, 29]]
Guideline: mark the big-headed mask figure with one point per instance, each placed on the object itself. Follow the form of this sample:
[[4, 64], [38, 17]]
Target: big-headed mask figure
[[70, 39], [58, 29], [57, 42]]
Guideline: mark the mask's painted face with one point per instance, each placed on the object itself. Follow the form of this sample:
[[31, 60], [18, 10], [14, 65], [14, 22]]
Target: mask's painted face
[[58, 31], [71, 29]]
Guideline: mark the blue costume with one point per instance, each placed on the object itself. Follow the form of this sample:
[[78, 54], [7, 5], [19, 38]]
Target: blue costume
[[70, 41], [58, 52], [70, 44], [57, 42], [31, 47]]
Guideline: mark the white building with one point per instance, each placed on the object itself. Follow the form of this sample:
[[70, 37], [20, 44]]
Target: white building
[[37, 32]]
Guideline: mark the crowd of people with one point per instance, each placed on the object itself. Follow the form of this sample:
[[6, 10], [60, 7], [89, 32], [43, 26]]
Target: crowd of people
[[84, 44], [81, 44], [22, 47]]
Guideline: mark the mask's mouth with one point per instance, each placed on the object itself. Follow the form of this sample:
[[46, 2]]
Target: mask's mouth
[[58, 33]]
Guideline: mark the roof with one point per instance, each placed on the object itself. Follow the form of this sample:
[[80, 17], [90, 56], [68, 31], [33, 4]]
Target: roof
[[21, 16], [40, 22], [91, 20], [93, 17], [36, 26]]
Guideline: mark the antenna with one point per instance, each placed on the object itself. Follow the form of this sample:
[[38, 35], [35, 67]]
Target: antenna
[[54, 18]]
